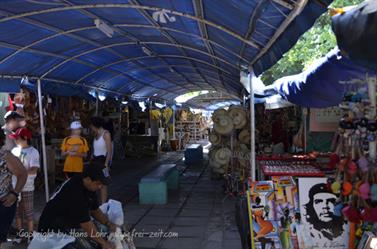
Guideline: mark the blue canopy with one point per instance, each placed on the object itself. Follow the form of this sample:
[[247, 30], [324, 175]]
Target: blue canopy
[[147, 47], [324, 84], [10, 85]]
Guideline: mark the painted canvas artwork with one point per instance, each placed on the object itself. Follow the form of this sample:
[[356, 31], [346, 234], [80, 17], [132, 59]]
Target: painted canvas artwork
[[287, 210], [319, 227], [265, 227]]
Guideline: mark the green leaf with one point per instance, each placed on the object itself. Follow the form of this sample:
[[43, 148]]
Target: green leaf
[[312, 45]]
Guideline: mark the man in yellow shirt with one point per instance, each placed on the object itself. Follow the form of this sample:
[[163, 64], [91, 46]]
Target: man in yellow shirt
[[75, 148]]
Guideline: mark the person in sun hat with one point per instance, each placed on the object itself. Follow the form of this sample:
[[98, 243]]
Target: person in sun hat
[[75, 149], [71, 207], [29, 156], [13, 121]]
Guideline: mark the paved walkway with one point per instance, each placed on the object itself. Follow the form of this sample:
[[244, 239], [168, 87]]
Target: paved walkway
[[196, 212]]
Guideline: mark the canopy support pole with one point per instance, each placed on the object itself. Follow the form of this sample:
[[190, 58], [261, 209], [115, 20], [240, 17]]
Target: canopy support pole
[[173, 121], [372, 98], [43, 138], [97, 105], [252, 127], [305, 117]]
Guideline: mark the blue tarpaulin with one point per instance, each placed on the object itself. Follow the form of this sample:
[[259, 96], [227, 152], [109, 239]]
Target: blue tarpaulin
[[325, 83], [10, 85], [147, 47], [361, 22]]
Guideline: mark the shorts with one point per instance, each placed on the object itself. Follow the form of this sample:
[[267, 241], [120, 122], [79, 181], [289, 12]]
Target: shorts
[[99, 159], [102, 160], [25, 206], [6, 218]]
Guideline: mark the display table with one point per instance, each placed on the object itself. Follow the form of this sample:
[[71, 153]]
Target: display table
[[289, 166], [292, 170], [138, 146]]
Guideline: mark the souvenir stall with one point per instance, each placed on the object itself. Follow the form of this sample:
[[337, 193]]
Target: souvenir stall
[[318, 200], [167, 130], [25, 103], [230, 151], [59, 112], [348, 219], [190, 127], [162, 125], [356, 177], [142, 138]]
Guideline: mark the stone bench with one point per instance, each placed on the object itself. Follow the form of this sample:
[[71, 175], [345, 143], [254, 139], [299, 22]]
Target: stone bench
[[153, 187]]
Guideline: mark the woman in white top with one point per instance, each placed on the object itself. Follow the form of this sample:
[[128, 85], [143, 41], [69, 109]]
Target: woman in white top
[[102, 149]]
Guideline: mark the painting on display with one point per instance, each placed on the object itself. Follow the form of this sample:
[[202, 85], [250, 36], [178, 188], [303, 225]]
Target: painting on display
[[287, 210], [319, 227], [265, 228]]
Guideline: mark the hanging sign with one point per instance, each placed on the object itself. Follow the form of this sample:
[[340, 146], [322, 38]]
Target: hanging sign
[[325, 120]]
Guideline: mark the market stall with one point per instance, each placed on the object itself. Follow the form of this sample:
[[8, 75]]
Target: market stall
[[144, 49], [191, 126], [281, 203]]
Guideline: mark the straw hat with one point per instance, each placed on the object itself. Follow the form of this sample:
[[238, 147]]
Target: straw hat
[[222, 156], [219, 112], [243, 154], [219, 170], [238, 115], [215, 165], [223, 124], [215, 139], [244, 136]]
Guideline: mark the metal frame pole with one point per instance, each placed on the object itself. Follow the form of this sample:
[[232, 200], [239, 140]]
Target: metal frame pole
[[305, 120], [43, 132], [174, 137], [252, 127]]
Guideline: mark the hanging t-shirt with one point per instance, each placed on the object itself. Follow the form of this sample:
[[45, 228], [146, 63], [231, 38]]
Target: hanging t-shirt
[[30, 158], [79, 145]]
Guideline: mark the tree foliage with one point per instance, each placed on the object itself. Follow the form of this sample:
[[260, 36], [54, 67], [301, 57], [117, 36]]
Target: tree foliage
[[313, 44]]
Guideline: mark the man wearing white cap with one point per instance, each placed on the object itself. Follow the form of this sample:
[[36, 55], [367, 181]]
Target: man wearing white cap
[[75, 148]]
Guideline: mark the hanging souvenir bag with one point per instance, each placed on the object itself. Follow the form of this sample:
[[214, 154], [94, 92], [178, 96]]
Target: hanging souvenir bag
[[351, 212], [373, 190]]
